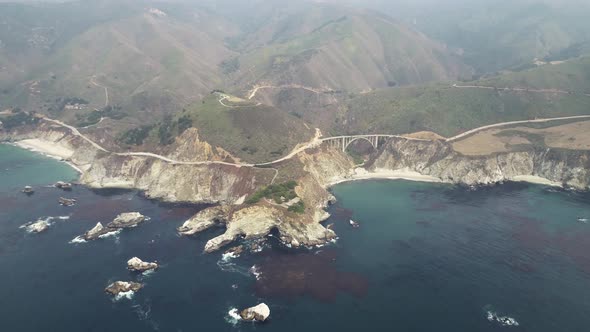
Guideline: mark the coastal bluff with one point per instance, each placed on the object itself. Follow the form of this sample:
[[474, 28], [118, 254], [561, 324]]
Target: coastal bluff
[[227, 185]]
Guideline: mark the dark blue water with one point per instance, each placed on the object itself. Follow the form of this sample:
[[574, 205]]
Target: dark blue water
[[426, 258]]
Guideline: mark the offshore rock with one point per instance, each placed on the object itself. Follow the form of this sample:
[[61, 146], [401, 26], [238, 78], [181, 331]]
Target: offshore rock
[[63, 185], [38, 226], [259, 313], [123, 287], [67, 201], [96, 232], [137, 265], [127, 220]]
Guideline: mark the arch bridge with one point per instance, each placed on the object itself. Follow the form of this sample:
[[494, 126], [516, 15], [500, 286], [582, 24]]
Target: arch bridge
[[343, 142]]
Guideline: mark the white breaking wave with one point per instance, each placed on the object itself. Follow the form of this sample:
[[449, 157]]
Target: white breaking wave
[[233, 316], [78, 239], [502, 320], [124, 295], [228, 256], [256, 272], [147, 273], [109, 234], [46, 221]]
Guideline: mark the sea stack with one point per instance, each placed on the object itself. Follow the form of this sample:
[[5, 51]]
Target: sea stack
[[137, 265], [258, 313]]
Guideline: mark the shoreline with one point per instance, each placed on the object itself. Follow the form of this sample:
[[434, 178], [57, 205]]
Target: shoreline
[[54, 151], [382, 174], [408, 175], [48, 149]]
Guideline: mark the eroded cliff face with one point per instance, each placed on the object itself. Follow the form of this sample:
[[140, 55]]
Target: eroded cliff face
[[437, 158], [213, 183]]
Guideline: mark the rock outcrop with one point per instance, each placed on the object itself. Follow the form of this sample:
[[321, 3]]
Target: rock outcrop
[[124, 220], [127, 220], [137, 265], [38, 226], [119, 287], [259, 313], [96, 232], [63, 185], [205, 219], [256, 221]]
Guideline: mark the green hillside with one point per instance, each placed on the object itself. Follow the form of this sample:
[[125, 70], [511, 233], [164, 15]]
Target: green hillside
[[448, 110], [254, 133], [357, 51], [572, 75]]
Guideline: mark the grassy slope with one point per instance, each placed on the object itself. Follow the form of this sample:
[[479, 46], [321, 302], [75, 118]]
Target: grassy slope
[[448, 111], [252, 133], [354, 51], [148, 63], [572, 75]]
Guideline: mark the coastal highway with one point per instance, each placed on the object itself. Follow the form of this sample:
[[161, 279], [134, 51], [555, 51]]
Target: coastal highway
[[314, 142]]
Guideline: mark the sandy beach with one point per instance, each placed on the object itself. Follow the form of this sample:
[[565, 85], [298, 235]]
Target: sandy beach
[[400, 174], [405, 174], [49, 149], [536, 180]]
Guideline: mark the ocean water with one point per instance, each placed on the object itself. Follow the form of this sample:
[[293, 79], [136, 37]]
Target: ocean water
[[427, 257]]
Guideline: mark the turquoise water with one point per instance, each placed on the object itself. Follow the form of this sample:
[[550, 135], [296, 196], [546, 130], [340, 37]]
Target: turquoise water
[[427, 257], [19, 166]]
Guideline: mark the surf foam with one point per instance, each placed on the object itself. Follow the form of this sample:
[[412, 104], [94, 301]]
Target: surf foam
[[233, 316]]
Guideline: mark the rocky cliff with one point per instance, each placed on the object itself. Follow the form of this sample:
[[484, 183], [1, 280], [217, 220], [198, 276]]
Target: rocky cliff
[[570, 168], [213, 183]]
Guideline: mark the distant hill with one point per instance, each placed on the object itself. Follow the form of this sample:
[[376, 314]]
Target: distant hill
[[156, 57], [149, 59], [449, 110], [496, 34], [357, 51]]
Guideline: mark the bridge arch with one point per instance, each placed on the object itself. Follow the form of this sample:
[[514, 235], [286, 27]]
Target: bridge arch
[[343, 142], [374, 141]]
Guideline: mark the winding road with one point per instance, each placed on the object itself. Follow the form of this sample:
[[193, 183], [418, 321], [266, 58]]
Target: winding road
[[501, 124], [314, 142], [106, 91], [517, 89], [252, 93]]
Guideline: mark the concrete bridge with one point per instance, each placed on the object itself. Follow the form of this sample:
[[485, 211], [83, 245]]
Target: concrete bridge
[[343, 142]]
